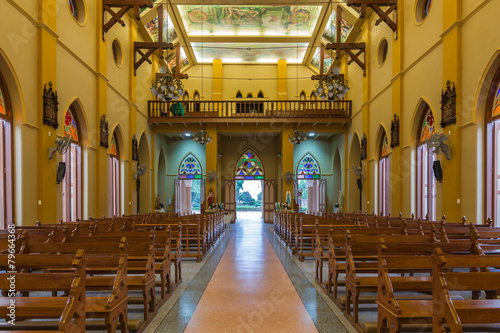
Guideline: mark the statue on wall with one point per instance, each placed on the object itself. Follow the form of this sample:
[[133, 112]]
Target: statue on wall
[[448, 105], [288, 199], [104, 132], [364, 148], [395, 132]]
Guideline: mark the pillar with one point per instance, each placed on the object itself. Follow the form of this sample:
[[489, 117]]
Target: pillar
[[211, 152], [286, 160], [130, 181], [282, 80], [47, 72], [452, 70], [367, 201]]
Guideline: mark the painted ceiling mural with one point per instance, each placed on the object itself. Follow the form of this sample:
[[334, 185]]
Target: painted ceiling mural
[[249, 20], [169, 33], [315, 61], [330, 32], [249, 52], [171, 60]]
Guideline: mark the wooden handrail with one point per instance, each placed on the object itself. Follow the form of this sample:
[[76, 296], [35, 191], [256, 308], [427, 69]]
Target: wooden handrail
[[250, 109]]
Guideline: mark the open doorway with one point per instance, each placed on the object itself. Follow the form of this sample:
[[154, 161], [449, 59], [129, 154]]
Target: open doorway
[[249, 199], [189, 187]]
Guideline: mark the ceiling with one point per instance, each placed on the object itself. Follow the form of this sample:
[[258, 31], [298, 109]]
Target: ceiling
[[255, 33]]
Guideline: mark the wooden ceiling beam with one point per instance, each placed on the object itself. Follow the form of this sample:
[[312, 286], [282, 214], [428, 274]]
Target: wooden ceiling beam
[[375, 6], [108, 6]]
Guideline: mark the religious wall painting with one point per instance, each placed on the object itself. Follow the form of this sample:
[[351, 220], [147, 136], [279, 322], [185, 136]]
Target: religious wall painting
[[50, 106], [171, 60], [364, 148], [104, 132], [395, 132], [448, 105], [249, 20], [250, 52], [114, 146], [428, 126], [3, 107]]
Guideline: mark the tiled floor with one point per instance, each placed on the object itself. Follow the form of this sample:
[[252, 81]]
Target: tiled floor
[[249, 283]]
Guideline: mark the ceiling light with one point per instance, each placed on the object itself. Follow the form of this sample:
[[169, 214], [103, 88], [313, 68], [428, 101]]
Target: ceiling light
[[187, 134], [311, 134]]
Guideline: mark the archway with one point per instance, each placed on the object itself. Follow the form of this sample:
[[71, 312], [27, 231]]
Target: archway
[[161, 177], [311, 188], [355, 182], [382, 151], [337, 181], [144, 183], [116, 173], [189, 186]]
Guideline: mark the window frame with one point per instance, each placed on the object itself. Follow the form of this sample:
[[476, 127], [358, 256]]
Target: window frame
[[430, 158], [8, 203], [383, 179]]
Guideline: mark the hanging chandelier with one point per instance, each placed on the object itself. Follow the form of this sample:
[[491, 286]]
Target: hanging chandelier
[[297, 137], [202, 137], [332, 87], [167, 88]]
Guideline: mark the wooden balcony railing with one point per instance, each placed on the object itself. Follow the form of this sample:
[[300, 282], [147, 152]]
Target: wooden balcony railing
[[258, 110]]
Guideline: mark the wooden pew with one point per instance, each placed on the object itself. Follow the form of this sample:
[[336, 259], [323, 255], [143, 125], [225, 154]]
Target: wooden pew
[[102, 258], [457, 313], [69, 309]]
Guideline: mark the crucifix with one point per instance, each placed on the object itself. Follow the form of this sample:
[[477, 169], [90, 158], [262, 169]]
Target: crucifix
[[146, 49], [116, 17], [348, 48], [375, 5]]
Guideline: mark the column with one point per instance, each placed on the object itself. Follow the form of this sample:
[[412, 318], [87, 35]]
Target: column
[[452, 70], [130, 181], [282, 80], [367, 201], [287, 161], [47, 72], [211, 151]]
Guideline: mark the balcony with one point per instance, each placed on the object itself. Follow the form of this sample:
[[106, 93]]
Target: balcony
[[256, 111]]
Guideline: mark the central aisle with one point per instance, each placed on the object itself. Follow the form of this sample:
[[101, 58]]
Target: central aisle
[[250, 290]]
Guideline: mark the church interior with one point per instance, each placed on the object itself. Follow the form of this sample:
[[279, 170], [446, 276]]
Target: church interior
[[203, 166]]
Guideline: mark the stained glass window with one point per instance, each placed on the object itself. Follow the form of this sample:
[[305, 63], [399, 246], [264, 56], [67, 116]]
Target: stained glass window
[[70, 127], [249, 165], [308, 168], [426, 8], [428, 126], [496, 104], [385, 147], [2, 103], [190, 166], [73, 8], [113, 148]]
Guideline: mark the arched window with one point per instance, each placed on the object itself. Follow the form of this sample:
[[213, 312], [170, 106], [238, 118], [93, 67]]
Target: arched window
[[114, 177], [6, 161], [249, 95], [313, 97], [426, 184], [308, 168], [190, 168], [196, 98], [72, 182], [383, 177], [239, 94], [249, 166], [493, 151], [260, 94]]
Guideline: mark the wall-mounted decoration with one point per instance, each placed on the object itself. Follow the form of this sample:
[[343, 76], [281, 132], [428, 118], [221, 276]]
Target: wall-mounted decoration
[[364, 148], [211, 176], [104, 132], [135, 149], [50, 106], [448, 105], [395, 132], [289, 177]]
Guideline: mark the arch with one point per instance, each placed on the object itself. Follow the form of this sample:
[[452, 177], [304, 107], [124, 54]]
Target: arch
[[14, 89], [79, 111], [249, 164], [144, 193], [354, 202], [190, 165], [379, 136], [162, 177], [239, 94], [313, 96], [302, 95], [382, 151], [260, 94], [308, 167], [249, 95]]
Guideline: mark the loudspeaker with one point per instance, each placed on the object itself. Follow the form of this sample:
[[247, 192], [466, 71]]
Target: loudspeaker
[[137, 184], [438, 172], [360, 184], [61, 172]]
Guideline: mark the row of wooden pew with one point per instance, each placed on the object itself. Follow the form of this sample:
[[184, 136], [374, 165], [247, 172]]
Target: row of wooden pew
[[105, 268], [415, 271]]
